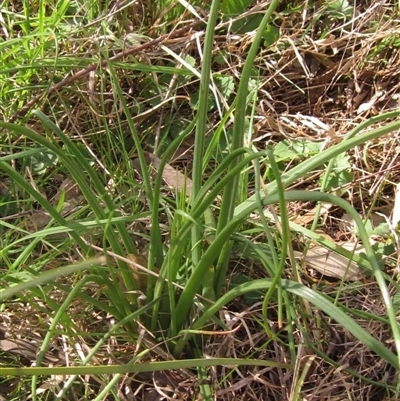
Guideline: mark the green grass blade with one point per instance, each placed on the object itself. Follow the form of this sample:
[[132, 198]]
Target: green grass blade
[[229, 198], [320, 301], [201, 126], [47, 276], [141, 367], [316, 161]]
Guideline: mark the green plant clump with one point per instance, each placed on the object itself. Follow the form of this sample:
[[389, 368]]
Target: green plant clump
[[117, 262]]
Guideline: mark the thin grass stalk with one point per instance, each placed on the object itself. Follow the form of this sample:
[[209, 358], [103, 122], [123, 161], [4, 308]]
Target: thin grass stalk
[[21, 154], [324, 184], [215, 176], [276, 262], [204, 200], [26, 251], [166, 267], [285, 241], [328, 170], [27, 19], [201, 126], [17, 178], [120, 97], [77, 173], [195, 280], [169, 271], [353, 251], [126, 320], [107, 232], [250, 205], [141, 367], [43, 293], [113, 384], [370, 254], [208, 197], [60, 314], [164, 315], [217, 134], [46, 277], [291, 315], [350, 371], [62, 8], [333, 246], [307, 196], [131, 317], [155, 256], [111, 310], [316, 161], [41, 25], [204, 387], [213, 186], [229, 197], [73, 226], [296, 391], [320, 301]]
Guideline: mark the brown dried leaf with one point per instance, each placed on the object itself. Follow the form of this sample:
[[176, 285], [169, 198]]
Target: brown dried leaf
[[139, 270], [37, 221], [72, 191], [25, 349], [171, 176], [309, 216], [331, 264], [73, 196], [4, 186]]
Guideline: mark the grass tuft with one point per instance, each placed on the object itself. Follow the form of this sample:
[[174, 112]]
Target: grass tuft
[[199, 200]]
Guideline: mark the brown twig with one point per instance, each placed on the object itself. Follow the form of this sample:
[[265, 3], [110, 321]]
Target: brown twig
[[85, 71]]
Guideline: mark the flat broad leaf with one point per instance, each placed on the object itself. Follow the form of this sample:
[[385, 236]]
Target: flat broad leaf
[[40, 162], [296, 150], [247, 24], [225, 84], [270, 35], [340, 175], [234, 7]]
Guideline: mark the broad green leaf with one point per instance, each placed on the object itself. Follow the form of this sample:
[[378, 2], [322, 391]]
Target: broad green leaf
[[41, 161], [339, 9], [220, 58], [271, 35], [296, 150], [194, 101], [234, 7], [225, 84], [396, 301], [341, 173], [247, 24], [250, 297], [190, 60], [339, 178]]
